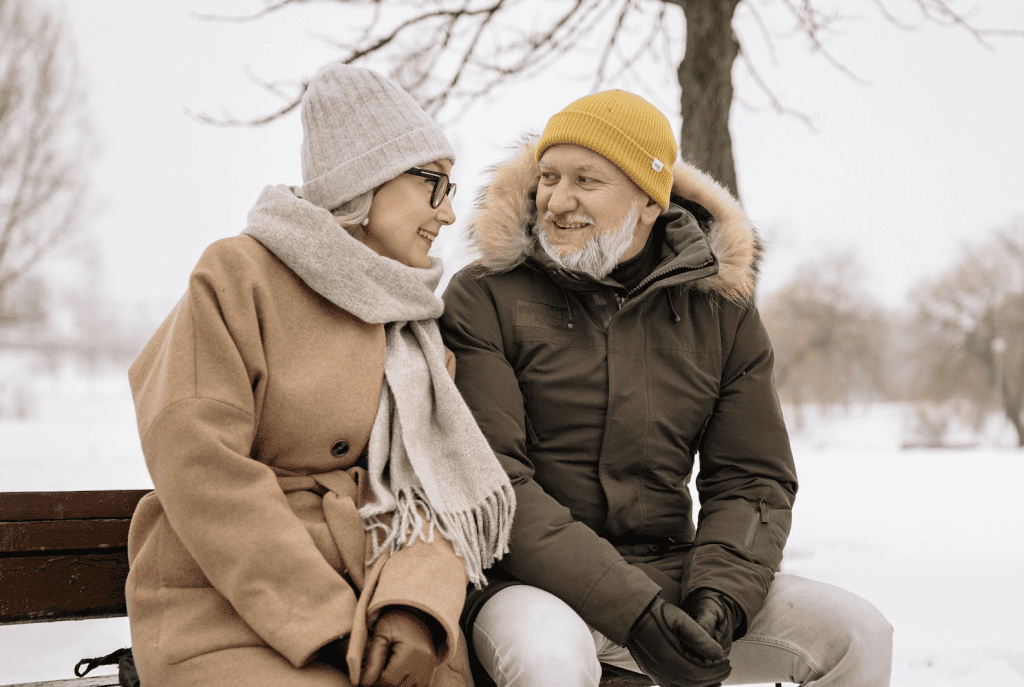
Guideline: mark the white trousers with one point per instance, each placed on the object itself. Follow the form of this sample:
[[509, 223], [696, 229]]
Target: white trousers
[[807, 633]]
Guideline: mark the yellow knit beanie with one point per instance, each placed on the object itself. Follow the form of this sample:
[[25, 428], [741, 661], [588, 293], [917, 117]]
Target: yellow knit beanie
[[624, 128]]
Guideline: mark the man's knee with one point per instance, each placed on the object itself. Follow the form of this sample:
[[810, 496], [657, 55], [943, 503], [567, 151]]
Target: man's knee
[[842, 624], [864, 639], [525, 636], [868, 633], [852, 618]]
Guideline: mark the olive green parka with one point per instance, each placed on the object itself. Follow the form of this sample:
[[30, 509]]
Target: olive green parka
[[597, 401]]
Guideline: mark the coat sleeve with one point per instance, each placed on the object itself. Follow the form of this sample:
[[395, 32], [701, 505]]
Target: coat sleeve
[[427, 576], [548, 548], [195, 387], [747, 481]]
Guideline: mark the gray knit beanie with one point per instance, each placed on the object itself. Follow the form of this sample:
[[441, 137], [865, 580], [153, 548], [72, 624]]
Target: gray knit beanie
[[361, 130]]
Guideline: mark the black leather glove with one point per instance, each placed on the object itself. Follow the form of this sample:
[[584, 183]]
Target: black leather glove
[[401, 652], [670, 647], [717, 613], [333, 654]]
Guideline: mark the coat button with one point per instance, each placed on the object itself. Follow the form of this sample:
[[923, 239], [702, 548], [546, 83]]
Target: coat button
[[339, 449]]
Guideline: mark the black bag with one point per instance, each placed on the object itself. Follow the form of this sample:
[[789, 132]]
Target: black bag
[[127, 676]]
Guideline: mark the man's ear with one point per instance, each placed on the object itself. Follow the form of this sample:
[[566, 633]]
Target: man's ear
[[650, 212]]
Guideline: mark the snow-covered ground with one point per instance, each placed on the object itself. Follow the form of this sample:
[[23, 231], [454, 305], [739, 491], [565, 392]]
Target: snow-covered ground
[[928, 536]]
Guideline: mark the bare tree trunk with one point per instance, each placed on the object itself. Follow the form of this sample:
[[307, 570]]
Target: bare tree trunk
[[1019, 426], [705, 76], [1013, 401], [1014, 416]]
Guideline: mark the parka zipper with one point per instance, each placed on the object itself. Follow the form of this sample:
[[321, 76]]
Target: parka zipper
[[654, 276], [622, 300], [760, 517]]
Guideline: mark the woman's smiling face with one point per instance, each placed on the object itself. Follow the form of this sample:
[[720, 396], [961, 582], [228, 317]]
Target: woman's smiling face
[[402, 225]]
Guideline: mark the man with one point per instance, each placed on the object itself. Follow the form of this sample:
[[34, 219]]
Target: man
[[606, 336]]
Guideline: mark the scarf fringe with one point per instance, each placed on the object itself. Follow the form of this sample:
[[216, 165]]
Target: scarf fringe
[[478, 536]]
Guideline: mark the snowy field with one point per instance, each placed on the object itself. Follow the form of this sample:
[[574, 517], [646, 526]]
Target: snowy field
[[928, 536]]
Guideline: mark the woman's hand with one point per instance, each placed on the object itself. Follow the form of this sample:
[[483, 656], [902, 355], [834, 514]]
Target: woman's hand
[[401, 652], [333, 654]]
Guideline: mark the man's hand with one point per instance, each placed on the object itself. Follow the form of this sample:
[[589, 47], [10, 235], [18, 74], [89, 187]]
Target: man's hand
[[400, 653], [717, 613], [670, 647]]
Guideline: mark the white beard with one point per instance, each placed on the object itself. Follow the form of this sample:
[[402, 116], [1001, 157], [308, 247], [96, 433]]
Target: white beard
[[600, 254]]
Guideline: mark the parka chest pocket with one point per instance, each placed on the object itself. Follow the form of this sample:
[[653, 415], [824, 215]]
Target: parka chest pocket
[[545, 322]]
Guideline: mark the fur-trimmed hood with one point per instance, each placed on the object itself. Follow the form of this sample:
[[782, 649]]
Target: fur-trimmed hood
[[500, 229]]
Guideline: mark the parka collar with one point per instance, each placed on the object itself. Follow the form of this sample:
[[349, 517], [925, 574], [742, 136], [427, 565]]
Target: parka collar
[[721, 258]]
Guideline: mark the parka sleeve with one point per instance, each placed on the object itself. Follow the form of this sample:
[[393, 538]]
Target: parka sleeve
[[548, 548], [196, 386], [747, 481]]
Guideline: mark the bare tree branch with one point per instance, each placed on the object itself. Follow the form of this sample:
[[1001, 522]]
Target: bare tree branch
[[813, 24], [765, 33], [45, 142], [773, 100], [644, 46], [270, 8], [940, 12], [606, 53], [450, 53], [439, 101], [227, 119]]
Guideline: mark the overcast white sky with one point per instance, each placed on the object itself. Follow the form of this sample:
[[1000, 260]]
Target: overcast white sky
[[925, 155]]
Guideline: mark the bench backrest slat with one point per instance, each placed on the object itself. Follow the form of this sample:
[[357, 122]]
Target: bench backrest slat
[[63, 535], [68, 505], [64, 555]]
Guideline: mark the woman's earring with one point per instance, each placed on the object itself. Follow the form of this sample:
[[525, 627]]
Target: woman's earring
[[366, 221]]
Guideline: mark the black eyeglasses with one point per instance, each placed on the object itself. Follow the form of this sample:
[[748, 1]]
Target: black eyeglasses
[[442, 187]]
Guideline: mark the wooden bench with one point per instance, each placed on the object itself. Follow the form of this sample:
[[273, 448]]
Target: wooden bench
[[64, 556]]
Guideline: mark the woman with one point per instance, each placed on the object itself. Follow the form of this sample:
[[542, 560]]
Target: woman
[[322, 492]]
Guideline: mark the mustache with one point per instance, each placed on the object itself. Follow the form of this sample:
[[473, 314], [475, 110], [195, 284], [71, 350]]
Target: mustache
[[568, 218]]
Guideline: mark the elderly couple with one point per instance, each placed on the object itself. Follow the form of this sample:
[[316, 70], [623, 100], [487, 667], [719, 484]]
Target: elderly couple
[[340, 456]]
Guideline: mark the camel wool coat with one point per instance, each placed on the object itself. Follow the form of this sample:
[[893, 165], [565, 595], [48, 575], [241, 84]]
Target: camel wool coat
[[255, 399]]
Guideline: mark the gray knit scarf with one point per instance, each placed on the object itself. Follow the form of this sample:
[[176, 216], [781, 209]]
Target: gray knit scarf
[[428, 460]]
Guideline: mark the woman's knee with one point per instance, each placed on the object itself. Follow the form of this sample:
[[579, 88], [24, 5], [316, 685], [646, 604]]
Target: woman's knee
[[526, 636]]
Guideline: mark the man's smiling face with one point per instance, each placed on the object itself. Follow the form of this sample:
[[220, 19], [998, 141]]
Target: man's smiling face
[[582, 194]]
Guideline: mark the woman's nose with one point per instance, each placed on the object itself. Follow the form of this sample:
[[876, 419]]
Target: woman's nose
[[445, 211]]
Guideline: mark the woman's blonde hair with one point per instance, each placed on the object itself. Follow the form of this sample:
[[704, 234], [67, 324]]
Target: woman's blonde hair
[[352, 213]]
